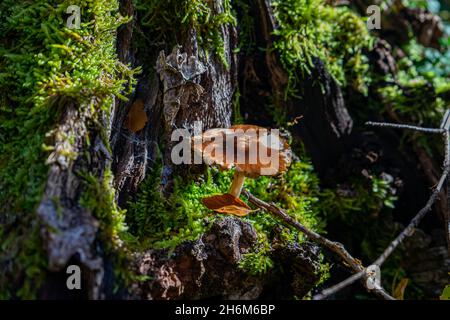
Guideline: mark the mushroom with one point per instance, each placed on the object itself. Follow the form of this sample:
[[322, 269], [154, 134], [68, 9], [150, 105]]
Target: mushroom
[[251, 150]]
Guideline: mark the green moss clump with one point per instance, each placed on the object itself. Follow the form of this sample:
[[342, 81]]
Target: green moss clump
[[43, 67], [170, 21], [421, 88], [162, 222], [165, 223], [259, 262], [445, 293], [296, 192], [309, 29]]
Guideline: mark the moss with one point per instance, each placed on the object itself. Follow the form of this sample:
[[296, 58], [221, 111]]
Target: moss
[[165, 223], [310, 29], [43, 67], [99, 197], [420, 92], [445, 293], [170, 21], [259, 262]]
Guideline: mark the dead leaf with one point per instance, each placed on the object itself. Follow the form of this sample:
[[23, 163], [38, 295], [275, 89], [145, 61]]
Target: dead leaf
[[137, 117], [227, 204], [399, 291]]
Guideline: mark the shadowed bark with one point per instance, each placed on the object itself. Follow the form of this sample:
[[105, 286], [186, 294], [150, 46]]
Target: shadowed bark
[[183, 84]]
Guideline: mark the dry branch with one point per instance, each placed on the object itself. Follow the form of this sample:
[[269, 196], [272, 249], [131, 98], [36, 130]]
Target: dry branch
[[409, 230], [336, 247]]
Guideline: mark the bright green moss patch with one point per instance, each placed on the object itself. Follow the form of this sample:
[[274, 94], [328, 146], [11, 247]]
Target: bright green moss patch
[[297, 192], [43, 67], [166, 222], [445, 293], [99, 197], [258, 262], [310, 29], [170, 22], [161, 222]]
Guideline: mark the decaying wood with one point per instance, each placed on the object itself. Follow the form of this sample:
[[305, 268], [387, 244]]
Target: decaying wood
[[326, 121], [68, 229], [208, 267], [171, 99], [397, 20], [172, 102]]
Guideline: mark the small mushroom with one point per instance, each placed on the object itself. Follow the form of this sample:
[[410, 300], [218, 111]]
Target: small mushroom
[[253, 151], [226, 203]]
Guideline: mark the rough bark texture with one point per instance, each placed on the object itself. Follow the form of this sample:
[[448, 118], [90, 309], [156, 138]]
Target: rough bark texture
[[208, 267], [325, 117], [68, 230], [172, 101], [187, 84]]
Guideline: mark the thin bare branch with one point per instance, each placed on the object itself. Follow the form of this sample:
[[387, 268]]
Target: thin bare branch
[[335, 247], [409, 230], [338, 287], [404, 126]]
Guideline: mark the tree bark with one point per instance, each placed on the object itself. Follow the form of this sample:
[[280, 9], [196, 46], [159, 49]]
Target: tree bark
[[179, 86]]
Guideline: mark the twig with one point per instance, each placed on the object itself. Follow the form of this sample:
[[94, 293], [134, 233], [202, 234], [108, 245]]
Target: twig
[[338, 287], [336, 247], [446, 125], [409, 230], [404, 126]]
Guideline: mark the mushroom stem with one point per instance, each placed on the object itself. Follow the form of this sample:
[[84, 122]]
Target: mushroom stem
[[238, 183]]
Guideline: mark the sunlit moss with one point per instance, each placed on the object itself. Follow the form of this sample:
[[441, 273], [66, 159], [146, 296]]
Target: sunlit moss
[[309, 29], [170, 21], [161, 222], [358, 199], [43, 67], [420, 92]]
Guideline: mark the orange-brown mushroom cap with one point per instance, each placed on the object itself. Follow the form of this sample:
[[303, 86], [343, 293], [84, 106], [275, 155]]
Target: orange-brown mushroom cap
[[251, 150], [227, 204]]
